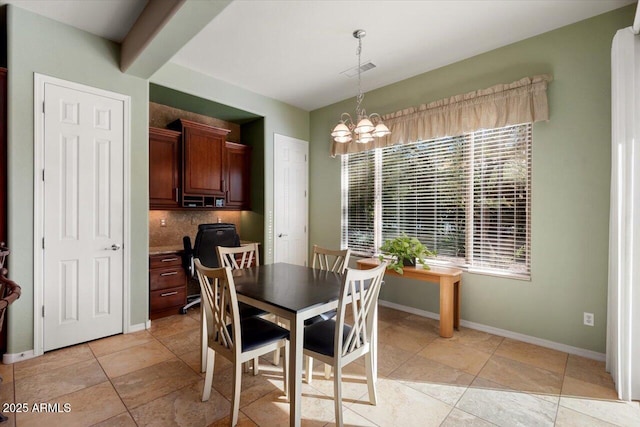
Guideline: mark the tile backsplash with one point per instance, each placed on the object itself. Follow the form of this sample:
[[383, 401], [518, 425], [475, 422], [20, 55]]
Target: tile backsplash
[[184, 223]]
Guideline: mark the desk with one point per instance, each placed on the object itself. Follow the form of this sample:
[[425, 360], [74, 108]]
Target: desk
[[295, 293], [449, 280]]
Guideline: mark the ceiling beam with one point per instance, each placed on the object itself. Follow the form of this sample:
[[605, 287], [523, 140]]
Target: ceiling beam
[[164, 26]]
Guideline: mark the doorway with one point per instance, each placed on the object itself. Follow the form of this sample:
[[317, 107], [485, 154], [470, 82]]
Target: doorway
[[291, 202], [80, 211]]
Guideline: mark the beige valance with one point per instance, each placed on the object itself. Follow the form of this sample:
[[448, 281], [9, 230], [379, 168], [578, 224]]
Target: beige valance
[[523, 101]]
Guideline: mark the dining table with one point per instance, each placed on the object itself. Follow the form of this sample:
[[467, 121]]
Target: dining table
[[296, 293]]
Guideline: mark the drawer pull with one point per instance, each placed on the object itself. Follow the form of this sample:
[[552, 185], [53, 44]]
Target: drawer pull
[[173, 273], [170, 259], [168, 294]]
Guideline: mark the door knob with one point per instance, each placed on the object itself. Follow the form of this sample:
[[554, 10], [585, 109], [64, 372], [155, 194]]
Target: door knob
[[282, 235], [115, 247]]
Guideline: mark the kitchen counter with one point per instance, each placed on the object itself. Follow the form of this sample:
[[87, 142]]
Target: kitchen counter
[[177, 249], [165, 250]]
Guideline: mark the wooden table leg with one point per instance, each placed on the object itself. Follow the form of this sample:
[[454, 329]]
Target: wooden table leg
[[456, 305], [447, 307]]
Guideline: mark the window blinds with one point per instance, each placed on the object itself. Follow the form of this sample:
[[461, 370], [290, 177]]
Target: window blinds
[[467, 197]]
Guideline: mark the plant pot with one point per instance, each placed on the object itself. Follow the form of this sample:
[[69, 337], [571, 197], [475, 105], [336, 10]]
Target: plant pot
[[409, 262]]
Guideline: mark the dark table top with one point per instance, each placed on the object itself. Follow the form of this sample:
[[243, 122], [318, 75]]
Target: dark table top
[[290, 287]]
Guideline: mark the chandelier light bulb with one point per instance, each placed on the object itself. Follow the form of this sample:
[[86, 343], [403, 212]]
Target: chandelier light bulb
[[341, 130], [381, 130], [363, 138], [364, 126], [343, 139]]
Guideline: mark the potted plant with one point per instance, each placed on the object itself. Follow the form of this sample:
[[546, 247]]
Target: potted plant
[[404, 250]]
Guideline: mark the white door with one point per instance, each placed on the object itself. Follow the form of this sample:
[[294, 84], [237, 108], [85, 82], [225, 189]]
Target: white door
[[83, 216], [291, 202]]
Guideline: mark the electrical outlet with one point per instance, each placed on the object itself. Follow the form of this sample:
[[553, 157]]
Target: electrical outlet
[[588, 318], [163, 222]]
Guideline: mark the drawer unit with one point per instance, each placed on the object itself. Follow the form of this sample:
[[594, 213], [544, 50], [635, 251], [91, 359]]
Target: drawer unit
[[168, 298], [162, 261], [167, 285], [164, 278]]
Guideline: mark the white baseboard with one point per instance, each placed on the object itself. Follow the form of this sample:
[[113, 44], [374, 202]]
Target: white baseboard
[[590, 354], [139, 327], [9, 359]]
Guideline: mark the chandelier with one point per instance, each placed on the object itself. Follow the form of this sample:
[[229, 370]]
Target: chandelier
[[368, 126]]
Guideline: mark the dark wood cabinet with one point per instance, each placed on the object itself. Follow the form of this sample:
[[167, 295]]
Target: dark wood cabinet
[[238, 163], [203, 159], [164, 168], [192, 165], [167, 285]]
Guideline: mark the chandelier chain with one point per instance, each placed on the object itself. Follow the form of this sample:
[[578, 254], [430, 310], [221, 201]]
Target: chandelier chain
[[360, 96]]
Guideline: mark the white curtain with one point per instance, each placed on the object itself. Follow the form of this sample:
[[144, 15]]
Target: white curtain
[[623, 315]]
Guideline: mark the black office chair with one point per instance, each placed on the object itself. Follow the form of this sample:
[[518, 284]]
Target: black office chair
[[209, 237]]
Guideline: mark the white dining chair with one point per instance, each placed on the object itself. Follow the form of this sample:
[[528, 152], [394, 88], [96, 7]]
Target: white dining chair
[[329, 260], [238, 340], [336, 343], [243, 256]]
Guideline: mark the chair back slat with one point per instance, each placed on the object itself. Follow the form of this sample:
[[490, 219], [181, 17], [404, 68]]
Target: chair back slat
[[329, 259], [239, 257], [220, 303], [360, 290]]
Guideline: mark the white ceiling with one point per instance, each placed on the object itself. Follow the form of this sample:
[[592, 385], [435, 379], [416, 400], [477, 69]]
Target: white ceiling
[[110, 19], [295, 51]]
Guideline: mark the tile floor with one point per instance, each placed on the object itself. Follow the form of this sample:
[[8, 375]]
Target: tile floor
[[151, 378]]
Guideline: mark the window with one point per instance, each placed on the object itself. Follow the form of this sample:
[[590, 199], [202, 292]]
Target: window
[[467, 197]]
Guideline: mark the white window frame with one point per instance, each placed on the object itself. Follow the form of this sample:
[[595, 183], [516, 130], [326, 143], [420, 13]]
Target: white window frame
[[469, 229]]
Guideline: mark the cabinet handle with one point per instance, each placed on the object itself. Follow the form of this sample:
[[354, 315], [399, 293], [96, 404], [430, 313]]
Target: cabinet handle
[[177, 195], [223, 187], [170, 259], [168, 294], [173, 273]]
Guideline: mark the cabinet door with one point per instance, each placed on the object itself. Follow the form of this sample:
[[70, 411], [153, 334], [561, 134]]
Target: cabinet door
[[238, 175], [204, 161], [164, 165]]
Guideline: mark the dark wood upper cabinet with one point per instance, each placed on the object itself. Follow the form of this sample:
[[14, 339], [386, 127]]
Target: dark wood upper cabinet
[[238, 175], [203, 161], [164, 168], [210, 171]]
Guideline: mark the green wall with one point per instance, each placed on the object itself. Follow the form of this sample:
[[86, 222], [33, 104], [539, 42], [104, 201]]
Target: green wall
[[39, 45], [279, 118], [571, 158], [570, 182]]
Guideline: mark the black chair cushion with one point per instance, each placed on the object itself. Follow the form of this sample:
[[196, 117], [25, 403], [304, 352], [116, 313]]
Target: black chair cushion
[[257, 332], [247, 310], [319, 336], [321, 317]]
